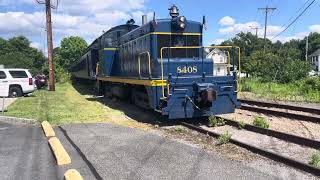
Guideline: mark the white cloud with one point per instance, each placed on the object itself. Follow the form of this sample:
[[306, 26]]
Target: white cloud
[[272, 31], [86, 18], [315, 28], [284, 39], [239, 27], [227, 21], [99, 6], [35, 45]]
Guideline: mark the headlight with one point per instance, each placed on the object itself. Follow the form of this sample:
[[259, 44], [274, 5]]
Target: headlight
[[182, 19]]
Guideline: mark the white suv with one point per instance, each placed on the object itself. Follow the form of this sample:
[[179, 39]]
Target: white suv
[[16, 81]]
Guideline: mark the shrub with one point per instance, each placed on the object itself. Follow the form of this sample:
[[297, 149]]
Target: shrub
[[61, 75], [260, 122], [315, 159], [212, 121], [224, 138], [215, 121], [241, 124], [180, 129]]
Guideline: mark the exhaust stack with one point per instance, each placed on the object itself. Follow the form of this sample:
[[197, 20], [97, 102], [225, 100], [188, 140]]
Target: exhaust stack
[[144, 19]]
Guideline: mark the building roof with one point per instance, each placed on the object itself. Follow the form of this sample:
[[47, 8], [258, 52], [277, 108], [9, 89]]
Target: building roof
[[215, 51], [316, 53]]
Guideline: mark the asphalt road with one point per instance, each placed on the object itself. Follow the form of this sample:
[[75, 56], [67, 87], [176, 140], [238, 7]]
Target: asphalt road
[[117, 152], [105, 151], [25, 154]]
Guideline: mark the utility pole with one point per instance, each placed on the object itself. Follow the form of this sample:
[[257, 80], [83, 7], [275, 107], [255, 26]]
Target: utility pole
[[256, 28], [307, 46], [49, 40], [266, 10]]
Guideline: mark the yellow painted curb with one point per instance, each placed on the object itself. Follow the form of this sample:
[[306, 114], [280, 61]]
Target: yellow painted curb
[[59, 152], [47, 128], [72, 174]]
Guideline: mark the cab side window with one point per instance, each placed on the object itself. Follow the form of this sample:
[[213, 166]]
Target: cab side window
[[3, 75]]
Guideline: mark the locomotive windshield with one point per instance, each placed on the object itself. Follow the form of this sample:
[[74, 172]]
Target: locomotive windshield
[[178, 41]]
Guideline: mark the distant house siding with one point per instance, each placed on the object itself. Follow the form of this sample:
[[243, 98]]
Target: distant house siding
[[220, 61], [315, 61]]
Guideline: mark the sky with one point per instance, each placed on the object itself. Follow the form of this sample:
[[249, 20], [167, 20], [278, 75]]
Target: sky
[[89, 18]]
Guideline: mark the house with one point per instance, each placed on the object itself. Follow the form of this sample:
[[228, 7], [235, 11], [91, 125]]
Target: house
[[315, 61], [220, 60]]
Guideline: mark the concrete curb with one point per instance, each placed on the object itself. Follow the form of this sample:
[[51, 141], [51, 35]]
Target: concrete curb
[[59, 152], [47, 128], [17, 121], [72, 174]]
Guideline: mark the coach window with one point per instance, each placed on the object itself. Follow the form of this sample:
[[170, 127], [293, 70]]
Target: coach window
[[140, 45], [135, 47]]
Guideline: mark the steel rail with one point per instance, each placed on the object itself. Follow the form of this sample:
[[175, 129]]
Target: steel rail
[[283, 106], [277, 134], [281, 113], [263, 152]]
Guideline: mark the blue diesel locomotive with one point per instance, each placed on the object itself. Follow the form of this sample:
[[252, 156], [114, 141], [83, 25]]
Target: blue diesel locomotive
[[161, 66]]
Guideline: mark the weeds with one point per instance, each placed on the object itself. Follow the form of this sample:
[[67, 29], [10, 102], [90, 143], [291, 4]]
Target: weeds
[[216, 121], [315, 159], [241, 124], [179, 129], [302, 90], [260, 122], [224, 138]]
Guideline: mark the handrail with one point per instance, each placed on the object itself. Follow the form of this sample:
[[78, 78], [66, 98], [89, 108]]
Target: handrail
[[198, 47], [229, 61], [149, 59]]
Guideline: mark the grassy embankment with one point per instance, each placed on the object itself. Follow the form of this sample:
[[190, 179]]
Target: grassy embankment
[[66, 105], [306, 90]]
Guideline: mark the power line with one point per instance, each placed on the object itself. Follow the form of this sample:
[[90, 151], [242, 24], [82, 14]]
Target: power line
[[295, 19]]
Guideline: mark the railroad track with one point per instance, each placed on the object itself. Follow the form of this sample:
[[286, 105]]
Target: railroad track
[[248, 106], [277, 134], [262, 151], [282, 106]]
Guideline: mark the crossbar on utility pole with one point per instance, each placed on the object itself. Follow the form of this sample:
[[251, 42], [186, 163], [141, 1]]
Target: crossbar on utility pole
[[50, 45], [266, 10], [255, 28]]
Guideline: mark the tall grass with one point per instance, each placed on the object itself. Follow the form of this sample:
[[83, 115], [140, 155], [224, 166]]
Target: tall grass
[[304, 90]]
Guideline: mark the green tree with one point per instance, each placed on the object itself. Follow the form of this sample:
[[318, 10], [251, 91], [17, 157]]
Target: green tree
[[17, 53], [70, 50]]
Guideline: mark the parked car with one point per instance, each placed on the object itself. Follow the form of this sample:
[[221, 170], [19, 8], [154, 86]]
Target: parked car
[[40, 81], [16, 81]]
